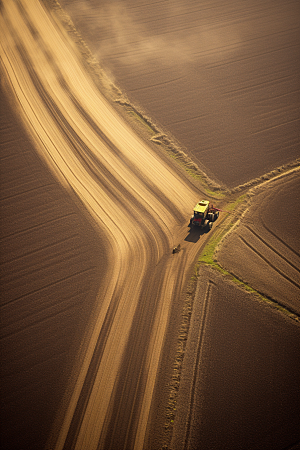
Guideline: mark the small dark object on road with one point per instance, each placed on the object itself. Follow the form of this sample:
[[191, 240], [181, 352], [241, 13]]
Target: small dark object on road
[[176, 249]]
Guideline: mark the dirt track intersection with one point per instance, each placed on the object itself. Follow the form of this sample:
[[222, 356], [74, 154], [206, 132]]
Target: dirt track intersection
[[118, 368]]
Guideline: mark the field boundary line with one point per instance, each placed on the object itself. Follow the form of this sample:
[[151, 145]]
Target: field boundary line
[[279, 239], [209, 254], [268, 177], [203, 318], [272, 248], [281, 273]]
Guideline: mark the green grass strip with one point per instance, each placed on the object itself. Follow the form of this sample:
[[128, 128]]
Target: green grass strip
[[207, 257]]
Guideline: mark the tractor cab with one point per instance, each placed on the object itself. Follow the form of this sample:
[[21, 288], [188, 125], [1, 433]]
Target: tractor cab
[[204, 215], [200, 212], [201, 208]]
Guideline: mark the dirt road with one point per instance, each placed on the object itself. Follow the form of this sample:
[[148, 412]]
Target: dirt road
[[51, 263], [221, 77], [141, 205]]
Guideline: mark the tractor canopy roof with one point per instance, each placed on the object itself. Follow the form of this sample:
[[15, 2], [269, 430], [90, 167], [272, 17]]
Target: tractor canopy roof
[[202, 206]]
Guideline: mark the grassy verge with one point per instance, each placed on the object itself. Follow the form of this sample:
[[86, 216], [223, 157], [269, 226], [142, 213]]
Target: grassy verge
[[208, 258], [233, 205], [270, 301], [234, 210]]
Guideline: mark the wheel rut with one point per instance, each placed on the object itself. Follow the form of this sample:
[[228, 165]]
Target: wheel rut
[[272, 248], [137, 201], [204, 313], [273, 266]]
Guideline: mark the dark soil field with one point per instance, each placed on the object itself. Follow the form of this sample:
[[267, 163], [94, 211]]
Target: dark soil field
[[51, 262], [223, 80], [268, 240], [222, 77], [241, 374]]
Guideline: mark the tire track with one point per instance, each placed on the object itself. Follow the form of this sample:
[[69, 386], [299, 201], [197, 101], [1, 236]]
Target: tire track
[[90, 378], [131, 195], [168, 204], [40, 225], [38, 250], [280, 272], [279, 239], [92, 164], [272, 248], [20, 194], [203, 318], [61, 280], [124, 434], [110, 318], [86, 158]]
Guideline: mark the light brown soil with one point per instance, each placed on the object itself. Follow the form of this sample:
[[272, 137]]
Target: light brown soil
[[140, 204], [264, 250], [221, 77], [52, 262]]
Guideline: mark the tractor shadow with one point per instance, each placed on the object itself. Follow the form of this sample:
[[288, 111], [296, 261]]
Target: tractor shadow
[[195, 233]]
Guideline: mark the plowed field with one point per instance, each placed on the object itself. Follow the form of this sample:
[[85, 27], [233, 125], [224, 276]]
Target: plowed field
[[52, 262], [222, 77], [138, 202], [264, 251], [241, 374], [90, 314]]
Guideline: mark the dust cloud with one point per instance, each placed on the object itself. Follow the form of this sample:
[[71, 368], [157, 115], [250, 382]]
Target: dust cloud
[[120, 33]]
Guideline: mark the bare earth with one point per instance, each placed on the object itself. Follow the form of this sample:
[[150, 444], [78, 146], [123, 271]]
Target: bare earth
[[222, 77], [140, 205], [241, 374], [90, 315], [51, 265], [268, 241]]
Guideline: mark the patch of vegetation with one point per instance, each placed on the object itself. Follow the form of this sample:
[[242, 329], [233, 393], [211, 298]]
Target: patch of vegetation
[[177, 365], [141, 120], [219, 195], [208, 254], [273, 174], [207, 257], [232, 205]]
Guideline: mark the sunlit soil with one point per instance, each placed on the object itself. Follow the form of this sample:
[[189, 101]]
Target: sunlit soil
[[51, 265], [222, 78]]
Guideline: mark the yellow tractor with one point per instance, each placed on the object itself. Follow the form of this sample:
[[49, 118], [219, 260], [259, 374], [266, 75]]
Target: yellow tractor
[[204, 215]]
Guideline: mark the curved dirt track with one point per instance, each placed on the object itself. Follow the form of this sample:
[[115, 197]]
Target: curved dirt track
[[140, 204], [222, 77], [50, 261]]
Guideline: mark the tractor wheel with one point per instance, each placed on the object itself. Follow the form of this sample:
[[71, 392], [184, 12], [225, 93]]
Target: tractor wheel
[[207, 226], [210, 217], [216, 215]]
